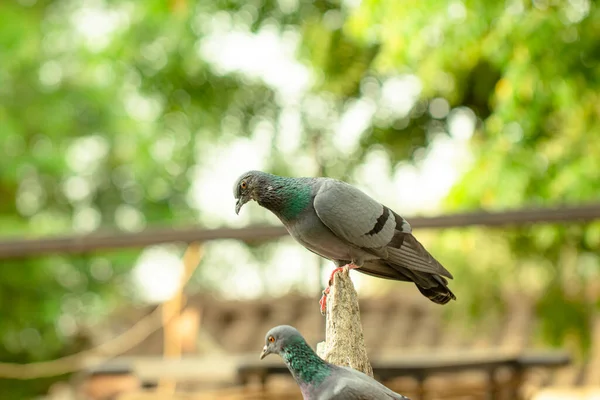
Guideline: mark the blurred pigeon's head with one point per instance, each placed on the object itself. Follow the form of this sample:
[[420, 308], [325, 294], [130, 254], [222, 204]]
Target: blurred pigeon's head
[[247, 187], [278, 338]]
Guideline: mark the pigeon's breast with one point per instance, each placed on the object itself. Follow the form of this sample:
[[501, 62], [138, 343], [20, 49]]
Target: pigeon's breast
[[309, 231]]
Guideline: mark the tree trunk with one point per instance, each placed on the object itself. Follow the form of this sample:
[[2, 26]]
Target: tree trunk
[[344, 340]]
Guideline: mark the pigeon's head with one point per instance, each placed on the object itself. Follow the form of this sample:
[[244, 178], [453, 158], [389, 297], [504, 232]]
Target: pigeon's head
[[248, 187], [278, 338]]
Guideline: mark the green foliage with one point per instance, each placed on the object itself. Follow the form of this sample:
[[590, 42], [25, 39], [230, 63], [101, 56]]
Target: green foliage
[[563, 317], [530, 72], [102, 131], [97, 132]]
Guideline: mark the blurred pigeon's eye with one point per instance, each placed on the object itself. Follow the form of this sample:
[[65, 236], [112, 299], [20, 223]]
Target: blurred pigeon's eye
[[271, 339], [243, 185]]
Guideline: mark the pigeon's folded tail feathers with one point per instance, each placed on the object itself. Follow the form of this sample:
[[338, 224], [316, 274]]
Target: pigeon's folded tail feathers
[[438, 294], [432, 286]]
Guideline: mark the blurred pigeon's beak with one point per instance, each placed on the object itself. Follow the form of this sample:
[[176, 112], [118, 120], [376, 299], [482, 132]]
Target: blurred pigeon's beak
[[264, 353], [239, 203]]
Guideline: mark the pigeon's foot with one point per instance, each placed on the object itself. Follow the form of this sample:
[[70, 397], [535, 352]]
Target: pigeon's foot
[[340, 269], [335, 271], [323, 301]]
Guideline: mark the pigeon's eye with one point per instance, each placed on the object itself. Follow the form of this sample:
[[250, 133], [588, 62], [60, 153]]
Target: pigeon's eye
[[244, 185], [271, 339]]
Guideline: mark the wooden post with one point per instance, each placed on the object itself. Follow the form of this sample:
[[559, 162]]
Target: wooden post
[[172, 339], [344, 340]]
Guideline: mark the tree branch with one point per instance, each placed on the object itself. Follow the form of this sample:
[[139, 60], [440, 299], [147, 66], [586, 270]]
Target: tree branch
[[344, 340]]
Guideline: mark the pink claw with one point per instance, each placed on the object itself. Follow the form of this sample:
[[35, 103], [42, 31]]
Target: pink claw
[[323, 301]]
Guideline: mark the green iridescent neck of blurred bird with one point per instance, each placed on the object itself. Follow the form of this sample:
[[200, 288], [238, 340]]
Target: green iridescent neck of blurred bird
[[304, 364], [286, 197]]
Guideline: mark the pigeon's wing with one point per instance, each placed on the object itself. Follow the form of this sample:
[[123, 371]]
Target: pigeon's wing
[[355, 217], [365, 223], [355, 392], [347, 383]]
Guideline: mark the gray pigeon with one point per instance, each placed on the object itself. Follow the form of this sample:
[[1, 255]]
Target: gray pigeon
[[318, 379], [341, 223]]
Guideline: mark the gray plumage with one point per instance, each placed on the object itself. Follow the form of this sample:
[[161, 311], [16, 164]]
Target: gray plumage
[[318, 379], [339, 222]]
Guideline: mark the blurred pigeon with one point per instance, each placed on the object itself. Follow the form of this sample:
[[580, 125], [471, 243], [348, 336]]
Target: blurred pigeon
[[318, 379], [341, 223]]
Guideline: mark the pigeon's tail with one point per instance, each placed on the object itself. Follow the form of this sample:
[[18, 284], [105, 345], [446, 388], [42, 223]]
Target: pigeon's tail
[[432, 286], [438, 294]]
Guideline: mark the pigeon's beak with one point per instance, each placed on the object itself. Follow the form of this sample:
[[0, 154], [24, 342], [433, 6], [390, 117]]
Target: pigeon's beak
[[239, 203], [265, 352]]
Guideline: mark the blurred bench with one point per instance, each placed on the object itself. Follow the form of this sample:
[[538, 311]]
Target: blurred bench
[[421, 367]]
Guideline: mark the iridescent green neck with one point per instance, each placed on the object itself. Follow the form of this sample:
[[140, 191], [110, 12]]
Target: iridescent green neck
[[286, 197], [304, 364]]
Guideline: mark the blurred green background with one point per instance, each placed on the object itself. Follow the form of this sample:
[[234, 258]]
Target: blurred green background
[[129, 114]]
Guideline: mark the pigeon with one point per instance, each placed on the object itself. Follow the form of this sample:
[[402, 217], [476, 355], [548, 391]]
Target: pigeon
[[318, 379], [343, 224]]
